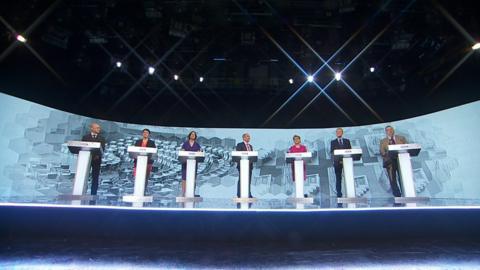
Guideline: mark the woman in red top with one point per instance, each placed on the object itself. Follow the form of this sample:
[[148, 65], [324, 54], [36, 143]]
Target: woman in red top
[[297, 147]]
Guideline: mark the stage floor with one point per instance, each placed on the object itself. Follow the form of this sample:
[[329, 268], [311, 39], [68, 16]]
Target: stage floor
[[167, 203]]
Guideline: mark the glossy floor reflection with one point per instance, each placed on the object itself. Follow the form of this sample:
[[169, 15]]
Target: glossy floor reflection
[[407, 254], [226, 204]]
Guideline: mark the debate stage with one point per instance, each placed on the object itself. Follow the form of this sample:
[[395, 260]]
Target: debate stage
[[208, 221]]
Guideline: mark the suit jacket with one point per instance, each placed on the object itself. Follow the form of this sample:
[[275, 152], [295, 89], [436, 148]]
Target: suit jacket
[[88, 138], [387, 159], [242, 147], [150, 143], [334, 145]]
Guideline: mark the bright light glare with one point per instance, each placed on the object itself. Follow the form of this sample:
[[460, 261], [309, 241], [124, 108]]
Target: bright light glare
[[338, 76], [118, 64], [372, 69], [476, 46], [290, 81], [200, 79], [175, 77], [151, 70], [310, 78], [21, 38]]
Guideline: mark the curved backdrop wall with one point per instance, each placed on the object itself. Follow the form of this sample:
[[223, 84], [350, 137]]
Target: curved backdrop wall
[[34, 159]]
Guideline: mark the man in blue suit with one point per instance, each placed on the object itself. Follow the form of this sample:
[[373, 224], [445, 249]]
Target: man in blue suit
[[245, 146], [339, 143]]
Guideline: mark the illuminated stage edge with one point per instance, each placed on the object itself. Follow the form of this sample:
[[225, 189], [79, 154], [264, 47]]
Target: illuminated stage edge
[[292, 225]]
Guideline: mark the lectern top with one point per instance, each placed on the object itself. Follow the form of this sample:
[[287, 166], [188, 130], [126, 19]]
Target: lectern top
[[404, 147], [244, 153], [84, 145], [299, 155], [142, 150], [182, 153], [347, 152]]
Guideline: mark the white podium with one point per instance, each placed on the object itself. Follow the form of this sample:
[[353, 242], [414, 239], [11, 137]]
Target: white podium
[[142, 154], [191, 158], [298, 159], [244, 157], [404, 152], [84, 151], [348, 156]]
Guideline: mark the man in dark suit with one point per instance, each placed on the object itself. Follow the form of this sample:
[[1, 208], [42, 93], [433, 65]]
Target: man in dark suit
[[145, 142], [339, 143], [94, 136], [391, 163], [245, 146]]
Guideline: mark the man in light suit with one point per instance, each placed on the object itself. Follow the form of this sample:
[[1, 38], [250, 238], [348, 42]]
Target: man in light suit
[[339, 143], [94, 136], [391, 163], [245, 146]]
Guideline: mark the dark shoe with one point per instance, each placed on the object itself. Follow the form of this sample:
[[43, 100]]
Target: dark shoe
[[339, 195], [250, 196], [305, 195], [197, 196]]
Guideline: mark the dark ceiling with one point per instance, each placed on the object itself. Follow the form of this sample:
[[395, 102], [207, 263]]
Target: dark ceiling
[[246, 51]]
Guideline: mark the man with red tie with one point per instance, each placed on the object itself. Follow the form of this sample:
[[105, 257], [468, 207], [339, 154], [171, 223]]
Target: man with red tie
[[245, 146], [339, 143], [94, 136], [390, 163]]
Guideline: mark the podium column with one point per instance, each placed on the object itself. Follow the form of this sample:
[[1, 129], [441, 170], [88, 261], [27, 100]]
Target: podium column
[[190, 181], [140, 176], [406, 174], [81, 176], [299, 176], [348, 174], [244, 178]]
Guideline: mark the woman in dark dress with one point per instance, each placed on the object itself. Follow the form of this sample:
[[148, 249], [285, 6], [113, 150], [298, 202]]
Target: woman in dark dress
[[189, 145]]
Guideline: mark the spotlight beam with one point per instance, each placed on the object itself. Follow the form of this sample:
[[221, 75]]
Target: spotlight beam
[[84, 98], [285, 103], [450, 72], [309, 103], [29, 29], [362, 101], [454, 22], [132, 88]]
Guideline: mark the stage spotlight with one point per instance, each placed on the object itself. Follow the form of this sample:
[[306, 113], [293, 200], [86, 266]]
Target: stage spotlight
[[290, 81], [338, 76], [118, 64], [21, 38], [476, 46], [310, 78], [200, 79], [151, 70], [175, 77], [372, 69]]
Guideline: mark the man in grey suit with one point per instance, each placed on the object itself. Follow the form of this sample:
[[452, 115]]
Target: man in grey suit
[[391, 163]]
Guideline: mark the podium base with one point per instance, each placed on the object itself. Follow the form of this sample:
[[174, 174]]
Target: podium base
[[78, 197], [411, 199], [134, 199], [244, 200], [188, 199], [301, 200], [352, 200]]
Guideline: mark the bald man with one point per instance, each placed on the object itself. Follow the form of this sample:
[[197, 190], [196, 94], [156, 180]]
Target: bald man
[[94, 136]]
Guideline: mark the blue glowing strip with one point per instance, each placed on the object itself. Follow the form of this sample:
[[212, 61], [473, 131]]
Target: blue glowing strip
[[131, 208]]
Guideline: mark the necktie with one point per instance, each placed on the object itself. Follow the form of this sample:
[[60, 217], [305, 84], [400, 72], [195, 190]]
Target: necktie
[[340, 141], [94, 136], [392, 141], [247, 146]]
